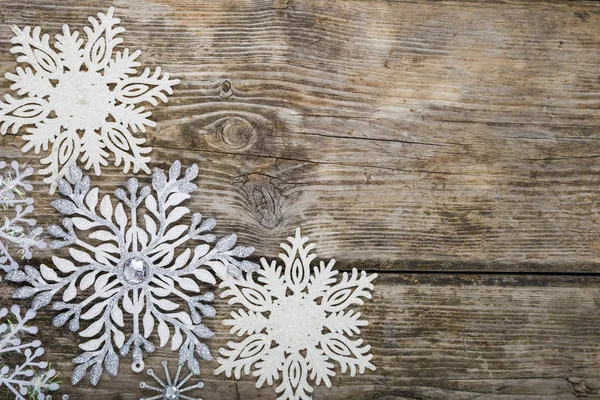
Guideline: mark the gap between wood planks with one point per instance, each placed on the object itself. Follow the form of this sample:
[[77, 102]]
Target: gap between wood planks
[[467, 272]]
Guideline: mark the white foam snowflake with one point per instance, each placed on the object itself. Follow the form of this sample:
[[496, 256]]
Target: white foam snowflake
[[17, 230], [31, 378], [132, 262], [172, 389], [82, 101], [296, 322]]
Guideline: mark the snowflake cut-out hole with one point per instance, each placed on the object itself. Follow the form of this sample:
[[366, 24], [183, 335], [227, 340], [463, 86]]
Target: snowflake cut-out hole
[[134, 260], [30, 378], [296, 322], [82, 98]]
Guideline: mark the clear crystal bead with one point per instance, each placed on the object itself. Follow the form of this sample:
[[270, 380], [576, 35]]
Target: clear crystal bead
[[171, 393], [135, 270]]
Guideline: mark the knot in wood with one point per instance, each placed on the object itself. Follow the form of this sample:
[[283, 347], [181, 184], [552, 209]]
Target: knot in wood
[[265, 199], [235, 133], [226, 89]]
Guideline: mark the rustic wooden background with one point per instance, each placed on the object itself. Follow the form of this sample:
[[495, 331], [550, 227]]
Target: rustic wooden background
[[451, 146]]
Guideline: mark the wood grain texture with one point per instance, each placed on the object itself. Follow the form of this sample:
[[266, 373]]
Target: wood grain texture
[[433, 337], [446, 138], [418, 136]]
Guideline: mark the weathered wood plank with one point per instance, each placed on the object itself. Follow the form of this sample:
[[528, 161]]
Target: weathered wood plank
[[429, 136], [373, 219], [433, 337], [447, 136]]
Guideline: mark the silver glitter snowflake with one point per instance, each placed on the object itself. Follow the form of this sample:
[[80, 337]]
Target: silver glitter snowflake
[[82, 98], [296, 322], [18, 233], [172, 389], [132, 261], [31, 378]]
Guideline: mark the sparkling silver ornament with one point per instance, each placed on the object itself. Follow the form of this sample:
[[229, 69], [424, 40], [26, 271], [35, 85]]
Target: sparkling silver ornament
[[29, 378], [171, 389], [143, 262], [19, 234], [135, 270]]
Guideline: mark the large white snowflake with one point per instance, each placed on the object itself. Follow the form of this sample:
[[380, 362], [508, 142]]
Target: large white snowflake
[[25, 376], [18, 233], [131, 261], [296, 322], [82, 101]]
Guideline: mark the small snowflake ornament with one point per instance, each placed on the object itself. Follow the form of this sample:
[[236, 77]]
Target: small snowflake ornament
[[133, 260], [172, 389], [29, 377], [297, 323], [18, 233], [82, 98]]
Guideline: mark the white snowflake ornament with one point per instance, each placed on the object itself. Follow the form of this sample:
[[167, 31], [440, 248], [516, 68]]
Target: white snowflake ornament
[[133, 260], [28, 378], [171, 389], [297, 323], [18, 233], [82, 98]]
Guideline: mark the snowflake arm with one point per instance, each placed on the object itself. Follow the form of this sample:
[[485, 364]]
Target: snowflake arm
[[35, 50], [126, 148], [133, 118], [101, 40], [99, 352], [148, 87], [246, 323], [297, 259], [92, 151], [294, 384], [14, 113], [322, 278], [69, 46], [32, 377], [242, 356], [270, 275], [123, 65], [249, 294], [41, 135], [349, 291], [348, 353], [347, 323], [321, 369], [298, 323], [128, 260], [268, 367], [14, 229], [26, 82], [65, 151]]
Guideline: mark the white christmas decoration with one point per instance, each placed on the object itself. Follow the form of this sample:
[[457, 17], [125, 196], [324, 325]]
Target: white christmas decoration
[[81, 99], [29, 377], [297, 323], [18, 233], [172, 389], [129, 259]]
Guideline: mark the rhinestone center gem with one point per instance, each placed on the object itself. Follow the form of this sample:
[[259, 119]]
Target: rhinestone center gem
[[171, 393], [135, 270]]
